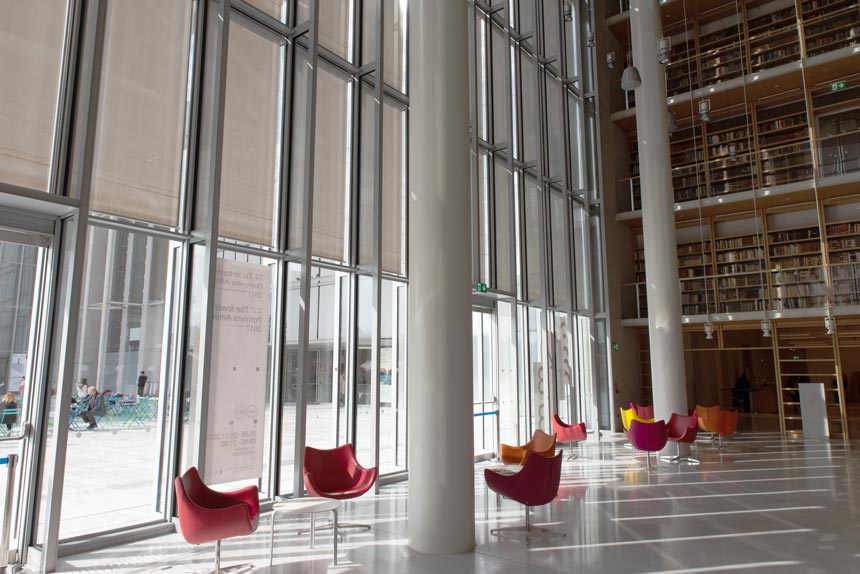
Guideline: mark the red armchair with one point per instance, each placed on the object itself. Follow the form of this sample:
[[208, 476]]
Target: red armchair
[[684, 429], [535, 484], [643, 412], [335, 473], [206, 515], [568, 434]]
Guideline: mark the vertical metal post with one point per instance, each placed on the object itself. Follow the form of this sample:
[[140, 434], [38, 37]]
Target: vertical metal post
[[304, 366], [67, 319], [376, 264]]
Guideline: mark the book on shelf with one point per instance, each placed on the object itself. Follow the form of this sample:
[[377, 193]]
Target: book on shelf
[[794, 262], [740, 254], [794, 235]]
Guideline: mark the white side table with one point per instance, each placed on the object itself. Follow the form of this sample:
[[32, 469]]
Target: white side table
[[309, 505]]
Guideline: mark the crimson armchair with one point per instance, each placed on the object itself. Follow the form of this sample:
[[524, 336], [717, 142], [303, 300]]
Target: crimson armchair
[[568, 434], [336, 473], [206, 515], [642, 411], [682, 429], [535, 484]]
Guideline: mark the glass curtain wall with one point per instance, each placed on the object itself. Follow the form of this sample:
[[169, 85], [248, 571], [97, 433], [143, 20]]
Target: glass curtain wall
[[533, 197], [281, 173]]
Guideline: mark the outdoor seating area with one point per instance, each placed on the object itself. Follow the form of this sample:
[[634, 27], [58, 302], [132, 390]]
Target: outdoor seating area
[[122, 412]]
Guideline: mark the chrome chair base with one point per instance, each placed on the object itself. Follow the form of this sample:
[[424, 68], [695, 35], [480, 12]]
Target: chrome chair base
[[528, 530]]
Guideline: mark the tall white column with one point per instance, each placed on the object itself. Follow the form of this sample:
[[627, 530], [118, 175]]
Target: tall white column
[[441, 458], [658, 218]]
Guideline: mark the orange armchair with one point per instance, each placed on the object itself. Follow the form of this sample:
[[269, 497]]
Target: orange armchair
[[541, 444]]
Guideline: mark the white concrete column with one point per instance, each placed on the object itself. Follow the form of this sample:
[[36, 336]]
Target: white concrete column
[[441, 458], [658, 219]]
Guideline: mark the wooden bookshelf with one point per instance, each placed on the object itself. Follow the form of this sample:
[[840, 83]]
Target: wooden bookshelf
[[695, 270], [721, 54], [783, 140], [727, 172], [741, 278], [795, 262], [843, 248], [829, 25], [773, 36], [682, 73]]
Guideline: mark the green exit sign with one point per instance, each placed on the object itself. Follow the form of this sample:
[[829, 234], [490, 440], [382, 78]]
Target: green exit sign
[[615, 346], [481, 287], [796, 357], [840, 85]]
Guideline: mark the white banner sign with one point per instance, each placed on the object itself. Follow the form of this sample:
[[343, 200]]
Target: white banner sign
[[237, 393]]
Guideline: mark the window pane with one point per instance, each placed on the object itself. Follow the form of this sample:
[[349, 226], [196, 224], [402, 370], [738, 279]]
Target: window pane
[[482, 67], [530, 109], [559, 252], [250, 167], [534, 238], [393, 189], [297, 153], [141, 121], [332, 164], [365, 439], [580, 256], [336, 27], [554, 127], [31, 50], [551, 19], [392, 383], [274, 8], [365, 190], [395, 44], [329, 337], [368, 31], [501, 89], [290, 382], [504, 256], [128, 280], [484, 231]]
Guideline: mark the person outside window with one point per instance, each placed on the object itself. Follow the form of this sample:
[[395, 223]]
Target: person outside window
[[141, 383], [95, 408], [9, 410]]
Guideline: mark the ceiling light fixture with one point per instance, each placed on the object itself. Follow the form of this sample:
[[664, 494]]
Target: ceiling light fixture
[[630, 78], [664, 50], [705, 110]]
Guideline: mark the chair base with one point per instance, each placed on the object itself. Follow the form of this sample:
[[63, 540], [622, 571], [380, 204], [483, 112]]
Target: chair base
[[679, 459], [527, 529], [340, 526], [246, 567]]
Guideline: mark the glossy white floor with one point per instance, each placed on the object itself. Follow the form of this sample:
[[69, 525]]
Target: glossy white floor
[[761, 504]]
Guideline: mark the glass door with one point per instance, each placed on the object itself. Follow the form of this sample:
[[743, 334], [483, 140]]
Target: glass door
[[24, 269], [484, 392]]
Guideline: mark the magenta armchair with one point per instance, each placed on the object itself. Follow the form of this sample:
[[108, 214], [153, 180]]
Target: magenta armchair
[[206, 515], [535, 484], [650, 437], [568, 434], [682, 429], [335, 473]]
